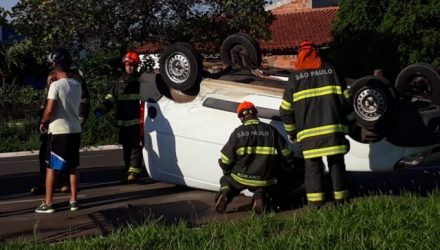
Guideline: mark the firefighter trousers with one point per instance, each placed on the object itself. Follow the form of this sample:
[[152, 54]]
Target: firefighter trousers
[[314, 178], [132, 150], [233, 188]]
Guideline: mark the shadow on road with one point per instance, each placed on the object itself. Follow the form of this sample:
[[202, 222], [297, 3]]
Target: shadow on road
[[19, 185]]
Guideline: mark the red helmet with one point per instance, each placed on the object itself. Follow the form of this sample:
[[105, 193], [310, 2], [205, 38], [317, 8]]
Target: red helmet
[[246, 106], [131, 57], [307, 45]]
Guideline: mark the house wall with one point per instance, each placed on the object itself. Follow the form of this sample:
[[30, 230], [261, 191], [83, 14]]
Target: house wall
[[279, 61], [290, 4], [324, 3], [284, 5]]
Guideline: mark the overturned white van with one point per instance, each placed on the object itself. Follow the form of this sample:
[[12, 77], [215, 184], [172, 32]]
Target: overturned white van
[[189, 114]]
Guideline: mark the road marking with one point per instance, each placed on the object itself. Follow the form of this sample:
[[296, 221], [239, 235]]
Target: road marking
[[37, 199], [9, 162]]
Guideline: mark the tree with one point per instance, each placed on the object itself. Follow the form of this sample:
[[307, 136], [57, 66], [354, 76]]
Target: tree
[[93, 26], [3, 15], [388, 34]]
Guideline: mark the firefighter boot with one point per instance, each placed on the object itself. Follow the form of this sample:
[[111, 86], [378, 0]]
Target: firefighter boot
[[132, 177], [221, 201], [65, 189], [37, 190], [316, 204], [340, 202], [259, 204]]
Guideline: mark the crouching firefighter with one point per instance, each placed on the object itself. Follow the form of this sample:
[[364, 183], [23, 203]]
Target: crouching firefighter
[[251, 159], [125, 95], [315, 113]]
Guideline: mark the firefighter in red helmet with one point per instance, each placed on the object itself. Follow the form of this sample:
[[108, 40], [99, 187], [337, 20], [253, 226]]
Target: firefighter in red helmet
[[316, 114], [251, 159], [125, 95]]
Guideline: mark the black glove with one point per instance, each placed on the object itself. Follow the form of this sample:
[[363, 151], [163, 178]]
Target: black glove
[[292, 137], [99, 112]]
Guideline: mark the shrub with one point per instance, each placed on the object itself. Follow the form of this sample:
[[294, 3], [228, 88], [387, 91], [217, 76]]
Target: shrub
[[20, 132], [19, 135], [391, 34]]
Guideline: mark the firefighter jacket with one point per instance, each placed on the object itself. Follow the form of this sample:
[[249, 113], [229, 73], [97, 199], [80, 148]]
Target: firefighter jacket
[[125, 95], [254, 153], [84, 105], [315, 109]]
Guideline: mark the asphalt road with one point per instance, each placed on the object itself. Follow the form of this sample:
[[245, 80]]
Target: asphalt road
[[106, 205]]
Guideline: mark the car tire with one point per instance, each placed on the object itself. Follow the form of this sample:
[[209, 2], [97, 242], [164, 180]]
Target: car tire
[[374, 103], [181, 66], [241, 51], [420, 81]]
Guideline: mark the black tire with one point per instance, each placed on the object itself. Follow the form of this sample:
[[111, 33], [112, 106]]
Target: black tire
[[241, 51], [374, 103], [181, 66], [421, 81]]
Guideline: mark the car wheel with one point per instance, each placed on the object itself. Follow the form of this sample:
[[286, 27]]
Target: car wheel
[[374, 103], [420, 81], [241, 51], [181, 66]]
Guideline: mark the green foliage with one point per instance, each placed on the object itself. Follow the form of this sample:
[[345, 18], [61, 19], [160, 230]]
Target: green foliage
[[17, 101], [3, 15], [94, 26], [391, 34], [19, 135], [100, 72], [10, 94], [100, 32], [248, 16], [407, 222], [99, 132]]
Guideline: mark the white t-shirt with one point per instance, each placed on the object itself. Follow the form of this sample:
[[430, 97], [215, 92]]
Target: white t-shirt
[[65, 118]]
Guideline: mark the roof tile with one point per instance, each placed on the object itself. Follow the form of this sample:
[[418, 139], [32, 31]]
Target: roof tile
[[291, 28]]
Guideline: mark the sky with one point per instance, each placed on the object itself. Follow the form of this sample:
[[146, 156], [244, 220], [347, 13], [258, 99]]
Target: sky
[[8, 4]]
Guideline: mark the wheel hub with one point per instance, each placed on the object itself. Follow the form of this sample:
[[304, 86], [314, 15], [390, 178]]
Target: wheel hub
[[370, 104], [178, 68], [238, 54]]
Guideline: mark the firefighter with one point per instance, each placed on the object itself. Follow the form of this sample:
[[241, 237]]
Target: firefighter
[[125, 94], [315, 114], [251, 159], [84, 106]]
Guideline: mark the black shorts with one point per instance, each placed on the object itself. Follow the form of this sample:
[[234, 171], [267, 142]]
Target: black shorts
[[63, 151]]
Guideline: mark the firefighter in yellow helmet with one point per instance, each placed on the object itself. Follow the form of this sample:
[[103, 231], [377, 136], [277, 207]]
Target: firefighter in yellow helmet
[[125, 95], [315, 113], [251, 159]]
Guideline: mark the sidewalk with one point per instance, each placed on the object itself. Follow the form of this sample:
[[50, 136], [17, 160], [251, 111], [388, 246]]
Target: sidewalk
[[35, 152]]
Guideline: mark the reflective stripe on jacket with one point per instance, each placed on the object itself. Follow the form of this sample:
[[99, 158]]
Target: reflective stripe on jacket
[[254, 153], [314, 110], [125, 95]]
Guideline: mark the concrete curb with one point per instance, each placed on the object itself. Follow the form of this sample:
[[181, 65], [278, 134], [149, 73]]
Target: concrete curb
[[35, 152]]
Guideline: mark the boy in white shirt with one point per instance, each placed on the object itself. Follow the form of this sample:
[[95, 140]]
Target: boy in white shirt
[[62, 123]]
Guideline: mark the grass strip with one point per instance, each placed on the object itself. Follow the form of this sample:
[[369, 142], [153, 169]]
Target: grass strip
[[376, 222]]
